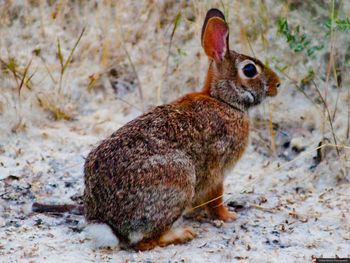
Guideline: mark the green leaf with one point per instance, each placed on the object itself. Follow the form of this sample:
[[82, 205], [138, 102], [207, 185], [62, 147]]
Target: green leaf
[[343, 24]]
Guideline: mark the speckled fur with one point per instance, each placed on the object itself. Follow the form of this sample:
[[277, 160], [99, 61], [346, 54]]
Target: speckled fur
[[141, 179]]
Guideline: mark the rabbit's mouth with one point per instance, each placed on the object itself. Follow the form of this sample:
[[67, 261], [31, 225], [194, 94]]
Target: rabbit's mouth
[[251, 97]]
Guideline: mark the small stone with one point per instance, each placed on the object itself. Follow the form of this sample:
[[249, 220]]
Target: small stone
[[218, 223]]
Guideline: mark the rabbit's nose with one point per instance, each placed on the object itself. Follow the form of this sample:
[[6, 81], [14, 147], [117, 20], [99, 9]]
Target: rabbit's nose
[[272, 89]]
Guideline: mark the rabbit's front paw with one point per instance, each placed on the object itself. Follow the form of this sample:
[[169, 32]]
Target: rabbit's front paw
[[222, 213]]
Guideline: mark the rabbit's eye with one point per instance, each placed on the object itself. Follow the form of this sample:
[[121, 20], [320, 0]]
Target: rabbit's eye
[[249, 70]]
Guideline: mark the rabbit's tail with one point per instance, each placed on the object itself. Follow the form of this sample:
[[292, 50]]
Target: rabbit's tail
[[58, 209], [101, 235]]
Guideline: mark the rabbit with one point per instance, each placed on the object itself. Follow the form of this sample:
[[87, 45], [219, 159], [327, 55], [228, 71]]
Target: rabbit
[[147, 174]]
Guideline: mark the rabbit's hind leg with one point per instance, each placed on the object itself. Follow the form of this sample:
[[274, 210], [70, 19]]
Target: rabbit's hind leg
[[153, 220], [172, 236], [162, 190]]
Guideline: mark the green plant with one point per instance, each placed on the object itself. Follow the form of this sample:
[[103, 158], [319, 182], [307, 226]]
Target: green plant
[[337, 24], [65, 64], [22, 78], [298, 41]]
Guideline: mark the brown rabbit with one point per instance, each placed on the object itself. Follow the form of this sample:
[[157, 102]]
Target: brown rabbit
[[141, 179]]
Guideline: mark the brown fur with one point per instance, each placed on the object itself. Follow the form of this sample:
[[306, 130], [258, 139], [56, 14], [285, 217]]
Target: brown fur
[[141, 179]]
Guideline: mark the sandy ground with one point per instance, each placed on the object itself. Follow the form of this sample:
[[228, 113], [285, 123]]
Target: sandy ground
[[291, 206]]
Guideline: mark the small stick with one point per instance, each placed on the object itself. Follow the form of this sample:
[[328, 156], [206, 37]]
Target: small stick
[[46, 208], [272, 133], [208, 202], [265, 209], [165, 76], [328, 115], [139, 86]]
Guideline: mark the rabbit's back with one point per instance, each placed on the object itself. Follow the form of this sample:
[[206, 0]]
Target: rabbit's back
[[207, 131]]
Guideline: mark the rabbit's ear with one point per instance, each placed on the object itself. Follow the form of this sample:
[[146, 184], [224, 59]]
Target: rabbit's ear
[[215, 34]]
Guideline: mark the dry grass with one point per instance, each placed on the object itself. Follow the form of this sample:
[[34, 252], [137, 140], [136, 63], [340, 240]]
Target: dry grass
[[157, 44]]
